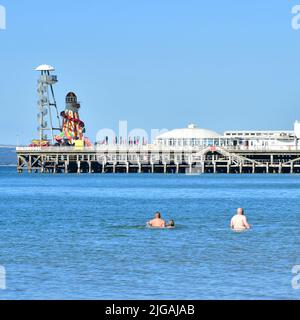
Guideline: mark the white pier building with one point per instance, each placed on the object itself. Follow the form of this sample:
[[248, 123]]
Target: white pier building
[[192, 136]]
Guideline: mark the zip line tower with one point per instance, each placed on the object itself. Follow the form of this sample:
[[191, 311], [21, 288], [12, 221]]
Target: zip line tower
[[47, 104]]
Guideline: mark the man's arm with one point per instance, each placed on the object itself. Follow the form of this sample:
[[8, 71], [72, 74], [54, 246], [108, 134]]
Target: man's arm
[[246, 224]]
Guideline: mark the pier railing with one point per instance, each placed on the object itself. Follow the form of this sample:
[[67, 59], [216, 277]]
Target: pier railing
[[154, 148], [158, 159], [108, 148]]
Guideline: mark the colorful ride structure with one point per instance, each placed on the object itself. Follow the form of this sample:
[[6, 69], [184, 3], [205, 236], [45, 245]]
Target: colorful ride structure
[[72, 127]]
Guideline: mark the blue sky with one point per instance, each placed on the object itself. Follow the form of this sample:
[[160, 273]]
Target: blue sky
[[222, 64]]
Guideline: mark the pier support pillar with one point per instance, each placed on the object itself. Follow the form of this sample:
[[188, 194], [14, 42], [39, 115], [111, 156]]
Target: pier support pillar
[[228, 168], [19, 165], [280, 168], [103, 167], [90, 166], [127, 167], [190, 168], [268, 168], [66, 167], [292, 167], [114, 168], [78, 167], [177, 168], [215, 167], [29, 165], [140, 168], [253, 168], [165, 168], [152, 167]]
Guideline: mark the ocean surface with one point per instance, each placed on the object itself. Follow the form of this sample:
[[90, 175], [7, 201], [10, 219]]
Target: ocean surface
[[84, 236]]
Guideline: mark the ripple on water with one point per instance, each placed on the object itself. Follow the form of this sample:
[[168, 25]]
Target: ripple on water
[[84, 237]]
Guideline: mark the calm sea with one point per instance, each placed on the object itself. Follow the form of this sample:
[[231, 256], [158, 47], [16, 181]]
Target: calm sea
[[84, 236]]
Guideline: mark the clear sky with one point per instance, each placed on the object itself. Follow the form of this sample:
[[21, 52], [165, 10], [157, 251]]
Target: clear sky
[[222, 64]]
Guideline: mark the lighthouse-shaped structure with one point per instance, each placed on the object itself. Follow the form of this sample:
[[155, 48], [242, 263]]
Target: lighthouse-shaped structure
[[72, 128]]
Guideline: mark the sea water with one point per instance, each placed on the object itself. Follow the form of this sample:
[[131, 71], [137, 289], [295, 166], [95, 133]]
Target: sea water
[[84, 236]]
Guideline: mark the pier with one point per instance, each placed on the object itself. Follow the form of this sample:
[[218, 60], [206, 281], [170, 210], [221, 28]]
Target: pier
[[157, 159], [62, 146]]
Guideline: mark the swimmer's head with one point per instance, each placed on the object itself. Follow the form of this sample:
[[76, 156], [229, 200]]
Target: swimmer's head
[[172, 223], [158, 215], [240, 211]]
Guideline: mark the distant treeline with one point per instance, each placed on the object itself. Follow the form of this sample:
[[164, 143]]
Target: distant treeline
[[8, 156]]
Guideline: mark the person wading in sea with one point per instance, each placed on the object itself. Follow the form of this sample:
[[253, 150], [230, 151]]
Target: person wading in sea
[[157, 222], [239, 221]]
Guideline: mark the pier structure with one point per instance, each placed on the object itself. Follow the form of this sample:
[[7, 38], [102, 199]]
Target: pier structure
[[189, 150], [157, 159]]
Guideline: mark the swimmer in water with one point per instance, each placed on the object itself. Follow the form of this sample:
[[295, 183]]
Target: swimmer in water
[[171, 224], [239, 221], [157, 222]]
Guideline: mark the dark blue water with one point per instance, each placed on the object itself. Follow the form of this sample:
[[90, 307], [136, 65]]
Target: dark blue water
[[83, 236]]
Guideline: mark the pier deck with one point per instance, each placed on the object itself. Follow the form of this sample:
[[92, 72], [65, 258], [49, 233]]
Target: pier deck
[[156, 159]]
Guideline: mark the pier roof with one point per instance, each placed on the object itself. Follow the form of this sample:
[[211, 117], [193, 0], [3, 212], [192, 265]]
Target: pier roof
[[191, 132], [44, 67]]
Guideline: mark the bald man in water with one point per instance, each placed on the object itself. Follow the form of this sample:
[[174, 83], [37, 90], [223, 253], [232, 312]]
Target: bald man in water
[[157, 222], [239, 221]]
